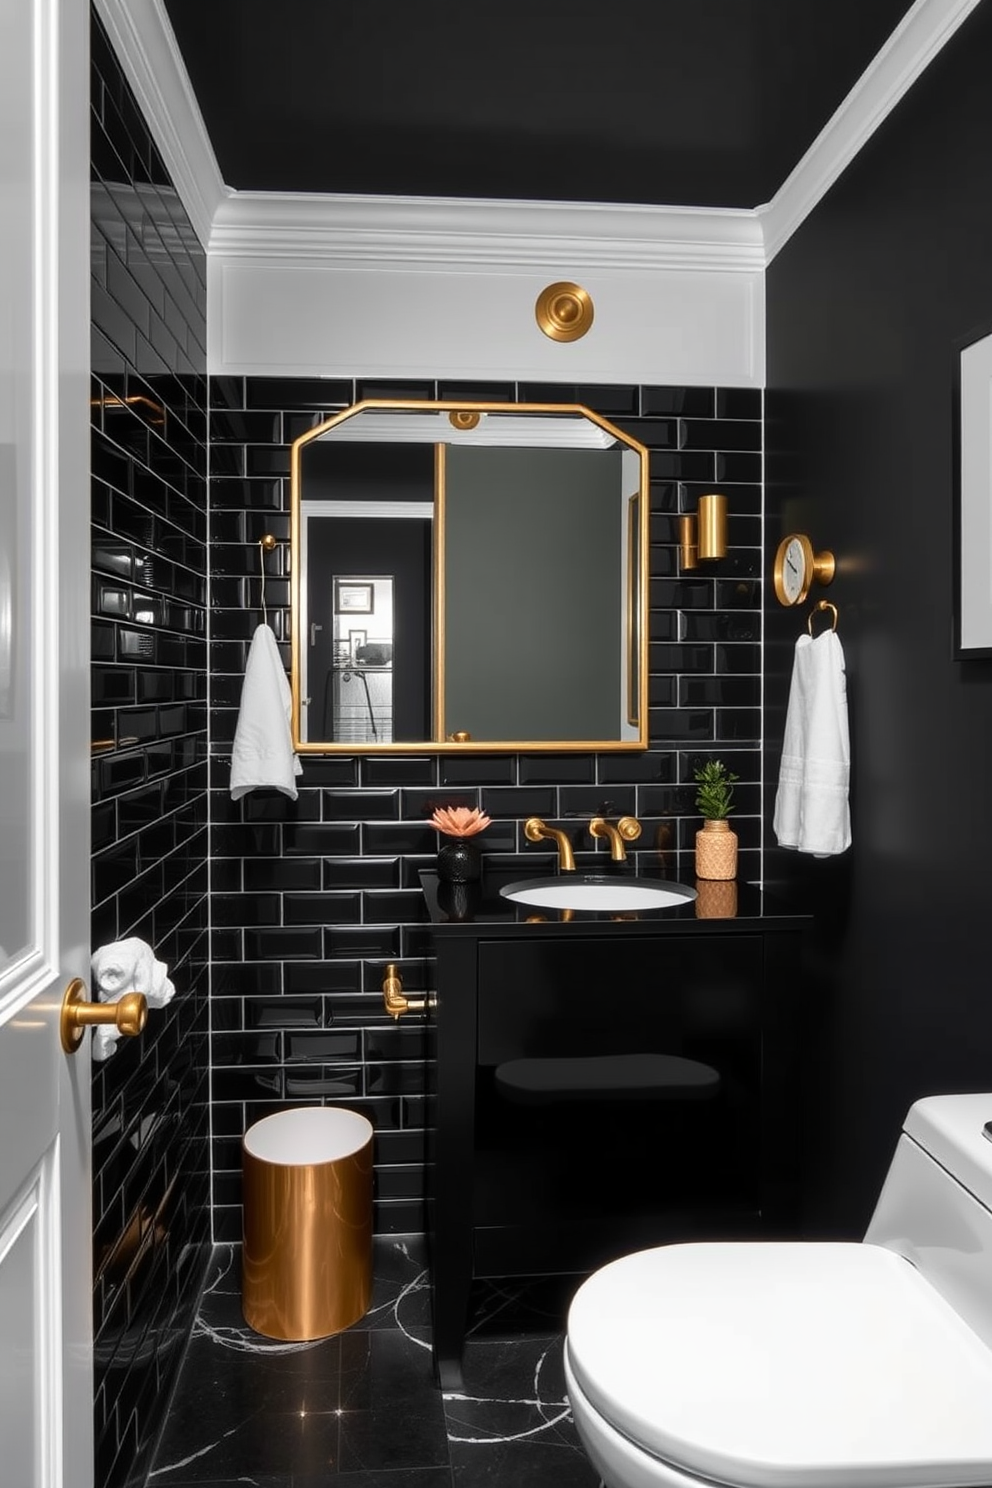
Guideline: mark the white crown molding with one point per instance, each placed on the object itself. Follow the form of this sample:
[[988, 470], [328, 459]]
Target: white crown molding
[[449, 234], [145, 46], [917, 39], [472, 235]]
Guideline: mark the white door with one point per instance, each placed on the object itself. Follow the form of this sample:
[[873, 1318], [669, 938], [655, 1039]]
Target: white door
[[45, 1266]]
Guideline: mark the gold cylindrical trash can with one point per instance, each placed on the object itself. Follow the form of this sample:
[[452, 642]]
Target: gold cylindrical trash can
[[307, 1258]]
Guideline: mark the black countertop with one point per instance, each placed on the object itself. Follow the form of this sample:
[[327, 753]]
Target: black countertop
[[474, 908]]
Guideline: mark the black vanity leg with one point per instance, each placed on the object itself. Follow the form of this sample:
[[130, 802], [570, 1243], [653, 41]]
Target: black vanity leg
[[452, 1250]]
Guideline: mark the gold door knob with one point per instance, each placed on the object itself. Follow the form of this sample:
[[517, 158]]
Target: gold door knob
[[395, 1002], [129, 1014]]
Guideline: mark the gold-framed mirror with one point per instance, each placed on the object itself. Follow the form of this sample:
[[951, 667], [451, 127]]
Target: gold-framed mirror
[[468, 577]]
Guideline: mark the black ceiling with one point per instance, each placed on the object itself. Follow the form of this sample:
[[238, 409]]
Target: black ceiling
[[673, 102]]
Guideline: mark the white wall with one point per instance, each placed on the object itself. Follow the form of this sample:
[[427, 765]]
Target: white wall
[[381, 288]]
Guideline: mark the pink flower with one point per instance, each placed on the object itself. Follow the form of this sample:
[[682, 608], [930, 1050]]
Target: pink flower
[[459, 821]]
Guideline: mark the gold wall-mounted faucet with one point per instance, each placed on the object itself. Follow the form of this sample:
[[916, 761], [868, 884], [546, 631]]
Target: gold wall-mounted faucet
[[395, 1000], [627, 829], [535, 830]]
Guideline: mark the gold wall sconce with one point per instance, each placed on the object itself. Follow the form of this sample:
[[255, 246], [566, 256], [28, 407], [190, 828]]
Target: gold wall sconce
[[703, 535], [564, 311]]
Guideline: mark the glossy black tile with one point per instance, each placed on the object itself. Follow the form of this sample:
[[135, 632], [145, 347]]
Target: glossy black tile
[[725, 691], [366, 826], [363, 805], [280, 874], [338, 977], [662, 691], [399, 837], [368, 387], [361, 873], [720, 434], [619, 769], [154, 872], [694, 402], [377, 772], [337, 907], [722, 626], [283, 944], [739, 403], [674, 725], [479, 770], [736, 467], [362, 941], [476, 392], [564, 769], [291, 392]]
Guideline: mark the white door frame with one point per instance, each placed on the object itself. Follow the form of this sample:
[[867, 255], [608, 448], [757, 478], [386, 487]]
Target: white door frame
[[46, 1403]]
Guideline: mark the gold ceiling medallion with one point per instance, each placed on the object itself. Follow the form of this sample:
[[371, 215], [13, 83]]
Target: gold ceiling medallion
[[464, 418], [564, 311]]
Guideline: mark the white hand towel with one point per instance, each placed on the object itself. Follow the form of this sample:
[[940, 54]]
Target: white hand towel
[[117, 966], [812, 811], [126, 966], [104, 1042], [263, 749], [155, 985]]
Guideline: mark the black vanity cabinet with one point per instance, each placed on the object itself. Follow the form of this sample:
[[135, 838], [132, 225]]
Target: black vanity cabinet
[[563, 1186]]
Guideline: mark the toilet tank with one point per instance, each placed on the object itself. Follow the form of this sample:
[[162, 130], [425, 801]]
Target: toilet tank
[[935, 1207]]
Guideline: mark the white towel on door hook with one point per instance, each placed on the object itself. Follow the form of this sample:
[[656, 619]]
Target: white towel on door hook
[[812, 809], [262, 754], [126, 966]]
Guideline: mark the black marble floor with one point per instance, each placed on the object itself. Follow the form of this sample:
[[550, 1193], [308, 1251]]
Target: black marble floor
[[361, 1410]]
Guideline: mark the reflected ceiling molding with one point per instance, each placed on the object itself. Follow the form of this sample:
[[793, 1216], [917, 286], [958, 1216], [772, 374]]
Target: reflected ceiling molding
[[374, 426]]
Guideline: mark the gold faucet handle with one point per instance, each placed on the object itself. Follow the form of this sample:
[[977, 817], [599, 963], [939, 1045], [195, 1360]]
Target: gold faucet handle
[[395, 1001], [627, 829]]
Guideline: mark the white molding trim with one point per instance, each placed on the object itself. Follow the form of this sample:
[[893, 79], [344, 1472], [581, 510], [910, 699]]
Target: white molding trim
[[445, 233], [146, 48], [448, 234], [910, 49]]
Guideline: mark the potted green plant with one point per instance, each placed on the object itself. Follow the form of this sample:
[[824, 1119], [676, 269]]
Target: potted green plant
[[716, 843]]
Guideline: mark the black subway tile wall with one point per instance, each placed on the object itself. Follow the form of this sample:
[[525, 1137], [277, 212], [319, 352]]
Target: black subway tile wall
[[149, 868], [315, 897]]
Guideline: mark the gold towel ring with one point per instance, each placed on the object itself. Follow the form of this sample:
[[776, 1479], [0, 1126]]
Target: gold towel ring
[[822, 604]]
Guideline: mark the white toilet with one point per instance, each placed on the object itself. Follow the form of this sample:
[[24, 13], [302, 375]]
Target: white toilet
[[806, 1365]]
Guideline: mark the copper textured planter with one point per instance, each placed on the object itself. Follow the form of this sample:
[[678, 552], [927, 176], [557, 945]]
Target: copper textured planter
[[716, 851], [307, 1260]]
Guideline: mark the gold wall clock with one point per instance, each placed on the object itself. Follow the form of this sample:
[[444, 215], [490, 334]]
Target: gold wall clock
[[797, 567]]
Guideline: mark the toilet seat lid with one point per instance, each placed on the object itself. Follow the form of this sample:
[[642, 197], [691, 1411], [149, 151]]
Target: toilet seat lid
[[786, 1366]]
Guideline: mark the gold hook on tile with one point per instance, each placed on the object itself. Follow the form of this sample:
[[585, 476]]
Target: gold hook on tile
[[266, 544]]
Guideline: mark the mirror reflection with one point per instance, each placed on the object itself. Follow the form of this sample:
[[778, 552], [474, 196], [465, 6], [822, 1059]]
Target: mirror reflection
[[468, 577]]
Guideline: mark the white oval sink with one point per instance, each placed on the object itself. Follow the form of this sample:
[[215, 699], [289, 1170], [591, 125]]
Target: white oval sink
[[597, 892]]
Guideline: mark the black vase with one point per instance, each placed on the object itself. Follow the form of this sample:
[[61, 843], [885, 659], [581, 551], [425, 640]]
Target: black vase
[[459, 861], [457, 901]]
